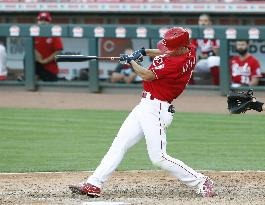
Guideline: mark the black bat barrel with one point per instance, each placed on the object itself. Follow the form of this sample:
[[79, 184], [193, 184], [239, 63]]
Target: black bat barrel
[[74, 58]]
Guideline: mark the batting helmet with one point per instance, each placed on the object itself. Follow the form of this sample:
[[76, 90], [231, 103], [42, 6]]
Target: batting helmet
[[174, 38], [44, 16]]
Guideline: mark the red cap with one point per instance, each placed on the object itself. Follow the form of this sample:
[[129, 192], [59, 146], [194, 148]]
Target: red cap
[[46, 16], [174, 38]]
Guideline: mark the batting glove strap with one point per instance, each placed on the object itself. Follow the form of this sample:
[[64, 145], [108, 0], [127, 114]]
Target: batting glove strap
[[142, 51]]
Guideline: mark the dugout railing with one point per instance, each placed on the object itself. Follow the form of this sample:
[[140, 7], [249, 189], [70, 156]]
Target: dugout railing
[[94, 32]]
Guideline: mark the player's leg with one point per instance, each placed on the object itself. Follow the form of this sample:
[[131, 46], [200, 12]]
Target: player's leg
[[202, 66], [44, 74], [129, 134], [153, 123], [117, 77], [39, 71], [214, 66]]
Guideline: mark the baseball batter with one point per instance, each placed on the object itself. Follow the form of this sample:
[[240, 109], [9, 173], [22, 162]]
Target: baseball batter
[[163, 81]]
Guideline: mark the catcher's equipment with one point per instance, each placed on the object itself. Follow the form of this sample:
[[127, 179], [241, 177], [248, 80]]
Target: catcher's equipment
[[174, 38], [240, 102]]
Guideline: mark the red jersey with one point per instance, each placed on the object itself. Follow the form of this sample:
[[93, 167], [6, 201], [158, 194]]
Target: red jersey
[[172, 73], [46, 47], [205, 45], [242, 71]]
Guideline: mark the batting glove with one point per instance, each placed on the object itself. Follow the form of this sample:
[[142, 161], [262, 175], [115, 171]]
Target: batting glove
[[125, 59], [142, 51], [137, 56]]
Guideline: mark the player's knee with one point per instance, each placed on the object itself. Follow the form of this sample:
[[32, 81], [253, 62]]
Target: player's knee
[[213, 61], [157, 160]]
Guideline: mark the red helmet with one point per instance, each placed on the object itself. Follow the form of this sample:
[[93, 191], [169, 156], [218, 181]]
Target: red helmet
[[174, 38], [44, 16]]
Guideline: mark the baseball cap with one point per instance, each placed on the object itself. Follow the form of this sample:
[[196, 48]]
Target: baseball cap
[[46, 16]]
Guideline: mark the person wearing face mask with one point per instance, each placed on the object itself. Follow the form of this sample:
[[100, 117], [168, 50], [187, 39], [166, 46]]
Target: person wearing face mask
[[46, 48], [245, 68], [208, 52]]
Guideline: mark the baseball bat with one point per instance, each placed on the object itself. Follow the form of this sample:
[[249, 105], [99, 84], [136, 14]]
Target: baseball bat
[[81, 58]]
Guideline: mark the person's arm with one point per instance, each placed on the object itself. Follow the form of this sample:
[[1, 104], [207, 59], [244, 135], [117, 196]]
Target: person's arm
[[117, 77], [38, 56], [145, 74], [153, 52], [254, 81], [216, 46], [129, 79], [49, 58], [216, 51]]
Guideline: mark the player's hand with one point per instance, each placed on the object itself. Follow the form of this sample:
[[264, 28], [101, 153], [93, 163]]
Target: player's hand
[[42, 61], [137, 56], [38, 56], [142, 51], [125, 59]]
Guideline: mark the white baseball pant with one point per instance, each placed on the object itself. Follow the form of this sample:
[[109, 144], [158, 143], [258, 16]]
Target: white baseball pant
[[204, 65], [3, 70], [150, 119]]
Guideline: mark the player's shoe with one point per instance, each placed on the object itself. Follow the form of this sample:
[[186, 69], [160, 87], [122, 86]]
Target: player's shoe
[[85, 189], [206, 188]]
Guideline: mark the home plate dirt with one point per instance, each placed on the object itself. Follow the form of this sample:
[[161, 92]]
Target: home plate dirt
[[134, 187]]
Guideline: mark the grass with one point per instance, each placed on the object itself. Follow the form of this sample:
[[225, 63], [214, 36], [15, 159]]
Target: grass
[[64, 140]]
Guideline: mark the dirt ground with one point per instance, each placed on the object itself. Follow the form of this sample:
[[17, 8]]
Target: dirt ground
[[133, 187], [139, 187]]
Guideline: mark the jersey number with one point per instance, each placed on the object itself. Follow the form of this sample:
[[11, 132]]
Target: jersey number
[[189, 65], [244, 79]]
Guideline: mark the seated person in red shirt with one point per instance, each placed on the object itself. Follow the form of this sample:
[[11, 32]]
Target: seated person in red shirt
[[208, 52], [245, 68], [125, 73], [46, 48]]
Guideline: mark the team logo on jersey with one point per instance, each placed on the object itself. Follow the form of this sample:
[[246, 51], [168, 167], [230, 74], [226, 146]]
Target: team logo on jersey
[[158, 62], [240, 70]]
